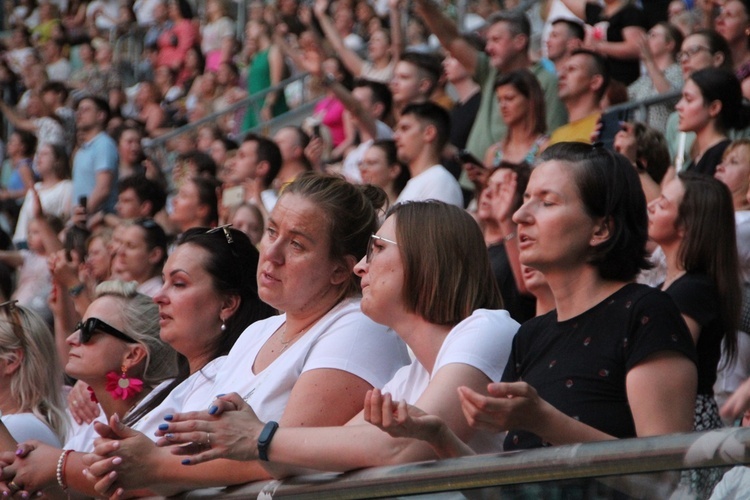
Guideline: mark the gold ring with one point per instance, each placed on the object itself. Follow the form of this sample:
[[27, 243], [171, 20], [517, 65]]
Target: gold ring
[[14, 487], [208, 439], [75, 403]]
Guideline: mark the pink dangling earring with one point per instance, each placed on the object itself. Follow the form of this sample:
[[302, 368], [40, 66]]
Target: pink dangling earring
[[121, 386]]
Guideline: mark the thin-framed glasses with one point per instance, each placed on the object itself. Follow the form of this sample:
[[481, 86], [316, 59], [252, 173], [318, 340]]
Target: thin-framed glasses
[[224, 228], [686, 54], [371, 245], [93, 325]]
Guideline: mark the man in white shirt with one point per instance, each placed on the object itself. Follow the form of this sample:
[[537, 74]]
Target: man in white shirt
[[421, 133]]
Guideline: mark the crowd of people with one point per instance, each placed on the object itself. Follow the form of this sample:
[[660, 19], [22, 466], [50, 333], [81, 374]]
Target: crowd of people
[[442, 259]]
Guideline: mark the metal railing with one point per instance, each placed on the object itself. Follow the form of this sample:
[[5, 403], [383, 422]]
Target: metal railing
[[639, 109], [607, 459], [252, 103]]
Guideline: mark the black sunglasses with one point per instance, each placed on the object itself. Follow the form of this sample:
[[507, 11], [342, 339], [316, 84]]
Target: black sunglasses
[[92, 325]]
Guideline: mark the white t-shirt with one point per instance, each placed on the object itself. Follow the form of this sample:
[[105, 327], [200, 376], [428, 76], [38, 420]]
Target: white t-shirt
[[25, 426], [483, 340], [352, 160], [190, 395], [56, 200], [344, 339], [151, 286], [81, 437], [435, 183]]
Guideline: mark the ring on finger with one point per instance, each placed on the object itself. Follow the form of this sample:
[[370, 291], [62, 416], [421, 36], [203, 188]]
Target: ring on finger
[[208, 439], [14, 487]]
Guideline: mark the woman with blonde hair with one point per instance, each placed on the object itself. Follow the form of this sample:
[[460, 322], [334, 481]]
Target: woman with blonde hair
[[117, 352], [31, 381]]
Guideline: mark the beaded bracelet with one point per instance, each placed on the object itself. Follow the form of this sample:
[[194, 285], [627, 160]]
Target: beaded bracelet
[[60, 471]]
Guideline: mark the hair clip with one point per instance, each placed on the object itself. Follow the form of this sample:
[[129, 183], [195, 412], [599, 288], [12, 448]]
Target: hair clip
[[224, 228]]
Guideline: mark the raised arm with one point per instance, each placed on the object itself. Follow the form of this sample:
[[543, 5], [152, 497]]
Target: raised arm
[[312, 63], [351, 60], [447, 32], [397, 29], [16, 119], [577, 7]]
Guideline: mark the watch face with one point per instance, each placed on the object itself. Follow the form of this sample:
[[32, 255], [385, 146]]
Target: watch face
[[267, 433]]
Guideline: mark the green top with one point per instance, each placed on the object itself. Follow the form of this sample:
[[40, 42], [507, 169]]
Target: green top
[[259, 79]]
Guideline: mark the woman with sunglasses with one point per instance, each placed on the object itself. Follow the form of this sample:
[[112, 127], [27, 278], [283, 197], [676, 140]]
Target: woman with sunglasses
[[310, 366], [30, 381], [116, 350], [453, 325]]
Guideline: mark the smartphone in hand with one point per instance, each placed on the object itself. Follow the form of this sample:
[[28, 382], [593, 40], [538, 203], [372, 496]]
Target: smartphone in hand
[[465, 156]]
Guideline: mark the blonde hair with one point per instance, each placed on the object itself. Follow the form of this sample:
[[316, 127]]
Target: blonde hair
[[139, 316], [36, 387]]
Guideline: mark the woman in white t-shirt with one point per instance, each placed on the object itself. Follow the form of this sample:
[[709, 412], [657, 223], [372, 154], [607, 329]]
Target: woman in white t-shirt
[[31, 378], [426, 274], [310, 366], [116, 351]]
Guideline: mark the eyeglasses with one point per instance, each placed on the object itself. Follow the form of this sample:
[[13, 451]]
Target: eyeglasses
[[92, 325], [686, 54], [371, 245], [224, 228]]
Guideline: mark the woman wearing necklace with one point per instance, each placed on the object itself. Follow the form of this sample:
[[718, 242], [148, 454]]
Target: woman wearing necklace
[[453, 325], [310, 366], [521, 103], [116, 350], [208, 299], [711, 104]]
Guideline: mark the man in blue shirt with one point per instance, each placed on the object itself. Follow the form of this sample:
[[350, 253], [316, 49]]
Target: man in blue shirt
[[95, 162]]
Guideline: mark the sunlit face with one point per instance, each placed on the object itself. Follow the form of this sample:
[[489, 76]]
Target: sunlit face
[[383, 277], [104, 353], [375, 169], [663, 213], [245, 163], [486, 206], [554, 230], [734, 170], [295, 268], [514, 106], [190, 307], [693, 111]]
